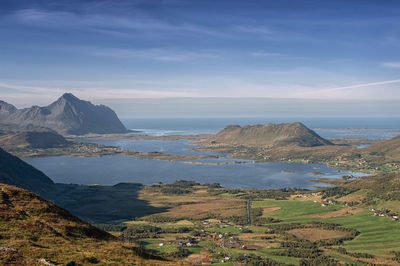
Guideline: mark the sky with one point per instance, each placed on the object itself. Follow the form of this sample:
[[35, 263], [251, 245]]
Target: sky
[[119, 52]]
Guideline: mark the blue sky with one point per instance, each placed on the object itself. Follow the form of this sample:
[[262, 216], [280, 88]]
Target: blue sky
[[110, 50]]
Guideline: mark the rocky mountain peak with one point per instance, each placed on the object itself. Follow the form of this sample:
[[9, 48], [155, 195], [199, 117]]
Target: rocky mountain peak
[[67, 115]]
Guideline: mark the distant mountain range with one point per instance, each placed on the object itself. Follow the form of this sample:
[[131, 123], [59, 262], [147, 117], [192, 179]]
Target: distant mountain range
[[67, 116], [269, 134]]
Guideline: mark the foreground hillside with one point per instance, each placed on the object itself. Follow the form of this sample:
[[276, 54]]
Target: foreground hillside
[[33, 230], [269, 134]]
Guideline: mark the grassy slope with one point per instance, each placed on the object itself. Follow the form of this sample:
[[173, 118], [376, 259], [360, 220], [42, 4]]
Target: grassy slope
[[381, 191], [390, 148], [293, 210], [39, 229]]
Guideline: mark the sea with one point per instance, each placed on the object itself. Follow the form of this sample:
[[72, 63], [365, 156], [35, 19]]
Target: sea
[[229, 172], [327, 127]]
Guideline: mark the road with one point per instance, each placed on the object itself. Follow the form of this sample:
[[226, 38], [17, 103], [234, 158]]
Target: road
[[248, 211]]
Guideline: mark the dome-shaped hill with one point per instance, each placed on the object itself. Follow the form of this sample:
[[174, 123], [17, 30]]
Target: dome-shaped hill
[[32, 139], [269, 134]]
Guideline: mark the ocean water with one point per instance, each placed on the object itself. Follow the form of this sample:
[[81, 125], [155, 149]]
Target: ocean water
[[372, 128]]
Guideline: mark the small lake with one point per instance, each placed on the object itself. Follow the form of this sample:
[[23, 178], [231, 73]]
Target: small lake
[[110, 170]]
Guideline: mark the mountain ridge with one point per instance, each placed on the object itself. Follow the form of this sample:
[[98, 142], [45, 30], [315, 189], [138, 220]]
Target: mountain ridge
[[68, 115]]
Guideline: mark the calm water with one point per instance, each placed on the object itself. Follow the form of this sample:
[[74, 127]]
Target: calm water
[[175, 147], [110, 170]]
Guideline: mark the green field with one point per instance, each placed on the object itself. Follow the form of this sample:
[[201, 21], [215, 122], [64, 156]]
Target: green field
[[293, 210], [293, 231], [378, 235], [153, 246]]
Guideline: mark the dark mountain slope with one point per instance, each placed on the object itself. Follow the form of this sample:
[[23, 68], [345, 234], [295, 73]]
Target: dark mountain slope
[[14, 171], [269, 134], [67, 115]]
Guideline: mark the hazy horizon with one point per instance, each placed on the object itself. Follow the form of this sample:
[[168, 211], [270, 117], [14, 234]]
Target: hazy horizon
[[239, 107]]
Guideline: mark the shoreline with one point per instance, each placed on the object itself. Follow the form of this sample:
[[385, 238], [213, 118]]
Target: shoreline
[[78, 149]]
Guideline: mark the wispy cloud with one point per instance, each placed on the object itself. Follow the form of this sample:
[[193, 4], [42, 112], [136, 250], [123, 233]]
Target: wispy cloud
[[274, 54], [188, 87], [366, 85], [254, 29], [351, 91], [158, 54], [107, 23], [21, 89], [391, 64], [266, 54], [26, 95]]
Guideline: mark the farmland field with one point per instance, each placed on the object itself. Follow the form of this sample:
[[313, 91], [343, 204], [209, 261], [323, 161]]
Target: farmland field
[[209, 222]]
